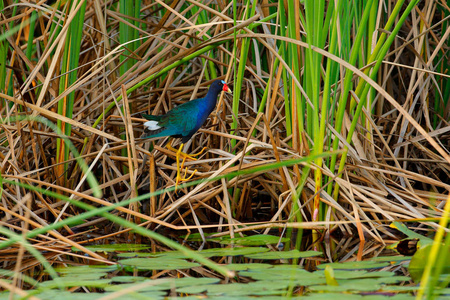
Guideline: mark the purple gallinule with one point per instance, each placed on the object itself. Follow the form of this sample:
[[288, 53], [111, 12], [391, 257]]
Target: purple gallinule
[[183, 122]]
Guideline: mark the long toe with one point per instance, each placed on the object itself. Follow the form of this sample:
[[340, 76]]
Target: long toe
[[198, 153], [183, 178], [185, 155]]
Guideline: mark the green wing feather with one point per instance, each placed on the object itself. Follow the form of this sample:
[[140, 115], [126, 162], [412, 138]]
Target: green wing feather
[[181, 120], [183, 117]]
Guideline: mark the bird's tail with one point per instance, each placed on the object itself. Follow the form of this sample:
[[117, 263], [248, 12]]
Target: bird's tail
[[150, 117], [151, 128]]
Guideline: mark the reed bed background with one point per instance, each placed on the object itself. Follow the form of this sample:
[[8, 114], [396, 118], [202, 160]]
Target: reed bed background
[[339, 122]]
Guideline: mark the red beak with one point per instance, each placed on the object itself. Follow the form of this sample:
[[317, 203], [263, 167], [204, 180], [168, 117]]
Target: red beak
[[226, 89]]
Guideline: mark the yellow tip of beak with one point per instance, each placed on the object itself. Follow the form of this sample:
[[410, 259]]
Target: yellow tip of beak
[[229, 91]]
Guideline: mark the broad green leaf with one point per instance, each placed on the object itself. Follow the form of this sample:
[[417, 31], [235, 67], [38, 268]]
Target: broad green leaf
[[273, 287], [255, 240], [391, 259], [115, 247], [355, 265], [165, 283], [206, 253], [233, 251], [86, 272], [127, 279], [73, 281], [157, 263], [420, 259], [253, 266], [284, 254], [345, 274], [362, 285]]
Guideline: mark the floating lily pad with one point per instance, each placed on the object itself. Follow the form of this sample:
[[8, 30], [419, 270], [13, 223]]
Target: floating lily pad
[[255, 240], [70, 282], [284, 254], [242, 267], [395, 288], [346, 274], [287, 267], [115, 248], [86, 269], [293, 276], [353, 279], [158, 263], [360, 285], [188, 281], [47, 294], [275, 287], [197, 237], [133, 295], [127, 279], [233, 251], [206, 253], [334, 296], [144, 286], [391, 259], [139, 254], [85, 272], [348, 296], [172, 255], [355, 265], [166, 255], [164, 284], [392, 279]]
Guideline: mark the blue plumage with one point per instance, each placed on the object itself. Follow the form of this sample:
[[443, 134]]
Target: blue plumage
[[184, 120]]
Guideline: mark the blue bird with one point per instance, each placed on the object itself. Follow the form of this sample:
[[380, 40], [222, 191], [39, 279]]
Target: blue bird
[[184, 120]]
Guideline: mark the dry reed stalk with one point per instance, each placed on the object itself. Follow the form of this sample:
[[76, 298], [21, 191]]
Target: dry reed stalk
[[395, 171]]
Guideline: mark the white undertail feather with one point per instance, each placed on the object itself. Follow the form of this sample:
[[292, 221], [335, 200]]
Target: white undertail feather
[[152, 125]]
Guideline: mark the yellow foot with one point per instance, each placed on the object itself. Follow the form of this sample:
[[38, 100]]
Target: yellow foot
[[185, 155], [179, 168]]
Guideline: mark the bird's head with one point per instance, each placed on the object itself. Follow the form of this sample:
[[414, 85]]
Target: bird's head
[[225, 87], [220, 85]]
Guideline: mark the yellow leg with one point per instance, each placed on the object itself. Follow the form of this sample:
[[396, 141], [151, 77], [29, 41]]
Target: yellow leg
[[179, 168]]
